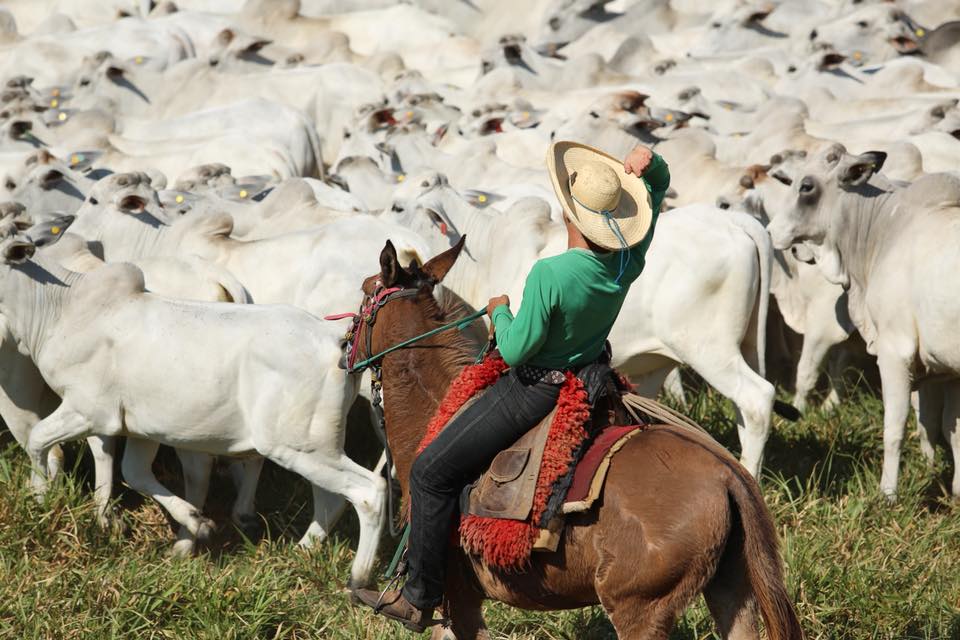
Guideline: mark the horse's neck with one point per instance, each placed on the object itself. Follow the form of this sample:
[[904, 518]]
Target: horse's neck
[[415, 380]]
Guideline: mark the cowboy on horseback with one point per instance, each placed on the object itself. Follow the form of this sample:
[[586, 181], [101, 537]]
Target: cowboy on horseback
[[570, 302]]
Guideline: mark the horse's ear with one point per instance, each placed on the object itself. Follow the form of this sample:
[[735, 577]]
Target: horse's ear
[[389, 265], [437, 267]]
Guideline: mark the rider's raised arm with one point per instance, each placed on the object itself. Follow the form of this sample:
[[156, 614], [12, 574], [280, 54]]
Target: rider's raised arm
[[520, 338], [657, 176]]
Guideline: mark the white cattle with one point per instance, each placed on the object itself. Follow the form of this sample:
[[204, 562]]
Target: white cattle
[[809, 304], [316, 269], [51, 57], [870, 34], [886, 246], [328, 95], [261, 380], [703, 268], [46, 185], [25, 397]]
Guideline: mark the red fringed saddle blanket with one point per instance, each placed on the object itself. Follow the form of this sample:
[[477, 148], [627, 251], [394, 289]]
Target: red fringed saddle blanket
[[507, 544]]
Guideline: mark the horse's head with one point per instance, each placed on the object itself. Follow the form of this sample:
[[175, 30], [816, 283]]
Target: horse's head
[[399, 301]]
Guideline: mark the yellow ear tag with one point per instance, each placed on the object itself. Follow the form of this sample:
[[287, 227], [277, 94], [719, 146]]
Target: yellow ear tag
[[728, 107], [138, 59], [401, 177], [669, 117], [179, 198], [54, 102], [525, 114], [409, 114], [857, 55], [243, 193], [74, 159], [55, 230], [482, 198], [920, 33], [61, 116], [55, 93]]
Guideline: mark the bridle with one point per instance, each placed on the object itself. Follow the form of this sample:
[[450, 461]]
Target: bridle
[[362, 329], [365, 317]]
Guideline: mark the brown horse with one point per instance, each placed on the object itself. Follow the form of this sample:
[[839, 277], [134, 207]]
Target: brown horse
[[678, 516]]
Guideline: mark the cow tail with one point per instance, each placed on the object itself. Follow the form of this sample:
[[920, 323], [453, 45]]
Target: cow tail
[[765, 256]]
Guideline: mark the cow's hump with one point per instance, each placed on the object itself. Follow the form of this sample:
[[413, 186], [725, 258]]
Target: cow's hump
[[932, 190]]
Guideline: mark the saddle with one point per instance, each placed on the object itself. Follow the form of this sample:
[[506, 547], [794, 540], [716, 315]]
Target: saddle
[[506, 489]]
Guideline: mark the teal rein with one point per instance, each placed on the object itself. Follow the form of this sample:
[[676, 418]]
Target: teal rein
[[456, 324]]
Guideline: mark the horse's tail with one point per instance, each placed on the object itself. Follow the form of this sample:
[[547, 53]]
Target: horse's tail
[[761, 558]]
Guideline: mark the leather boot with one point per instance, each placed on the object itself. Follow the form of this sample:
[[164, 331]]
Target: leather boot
[[394, 606]]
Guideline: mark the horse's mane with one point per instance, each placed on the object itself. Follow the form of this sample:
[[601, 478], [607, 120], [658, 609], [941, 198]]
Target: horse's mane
[[464, 344]]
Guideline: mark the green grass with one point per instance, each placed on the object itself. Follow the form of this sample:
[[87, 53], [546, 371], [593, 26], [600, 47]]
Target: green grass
[[858, 567]]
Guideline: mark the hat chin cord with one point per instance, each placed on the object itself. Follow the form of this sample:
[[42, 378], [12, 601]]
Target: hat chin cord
[[614, 226]]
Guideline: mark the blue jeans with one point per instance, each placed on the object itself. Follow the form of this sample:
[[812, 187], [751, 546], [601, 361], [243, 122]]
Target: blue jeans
[[506, 410]]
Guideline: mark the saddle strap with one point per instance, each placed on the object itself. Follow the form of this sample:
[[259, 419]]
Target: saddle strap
[[659, 412]]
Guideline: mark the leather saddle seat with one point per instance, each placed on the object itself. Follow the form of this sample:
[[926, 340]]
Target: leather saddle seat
[[506, 489]]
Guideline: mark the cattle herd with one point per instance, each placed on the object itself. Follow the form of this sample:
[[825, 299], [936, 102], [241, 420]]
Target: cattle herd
[[244, 161]]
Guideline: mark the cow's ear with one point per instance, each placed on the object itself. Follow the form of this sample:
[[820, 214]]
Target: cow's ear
[[226, 36], [49, 232], [389, 265], [50, 179], [857, 170], [18, 251], [437, 267]]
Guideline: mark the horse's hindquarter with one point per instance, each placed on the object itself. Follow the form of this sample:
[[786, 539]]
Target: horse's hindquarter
[[664, 513]]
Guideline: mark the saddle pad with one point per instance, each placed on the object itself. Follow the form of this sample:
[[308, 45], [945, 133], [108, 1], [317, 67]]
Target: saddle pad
[[591, 472]]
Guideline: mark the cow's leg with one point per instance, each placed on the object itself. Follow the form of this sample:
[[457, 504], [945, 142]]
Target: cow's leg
[[896, 381], [104, 449], [365, 490], [649, 384], [727, 372], [673, 387], [812, 355], [837, 364], [951, 429], [63, 425], [197, 468], [137, 460], [327, 508], [928, 403], [244, 512]]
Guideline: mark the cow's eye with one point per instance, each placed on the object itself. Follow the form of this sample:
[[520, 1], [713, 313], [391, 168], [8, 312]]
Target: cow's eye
[[863, 24], [555, 23], [396, 208], [84, 82], [10, 185], [807, 185]]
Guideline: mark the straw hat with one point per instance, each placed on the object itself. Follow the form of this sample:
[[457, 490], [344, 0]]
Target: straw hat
[[599, 196]]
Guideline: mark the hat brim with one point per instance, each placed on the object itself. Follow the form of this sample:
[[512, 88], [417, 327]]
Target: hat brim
[[634, 213]]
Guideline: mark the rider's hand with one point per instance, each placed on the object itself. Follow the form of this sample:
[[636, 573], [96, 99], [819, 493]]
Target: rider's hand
[[496, 302], [638, 160]]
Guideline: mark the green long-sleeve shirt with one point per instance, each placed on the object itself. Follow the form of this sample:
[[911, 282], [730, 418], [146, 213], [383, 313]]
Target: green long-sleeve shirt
[[571, 301]]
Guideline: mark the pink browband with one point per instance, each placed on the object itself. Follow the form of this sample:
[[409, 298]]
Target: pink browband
[[353, 336]]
